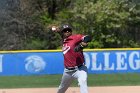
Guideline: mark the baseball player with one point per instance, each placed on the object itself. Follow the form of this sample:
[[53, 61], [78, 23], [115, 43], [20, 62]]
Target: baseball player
[[74, 62]]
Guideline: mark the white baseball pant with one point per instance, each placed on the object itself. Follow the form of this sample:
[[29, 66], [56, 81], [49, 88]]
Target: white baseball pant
[[68, 76]]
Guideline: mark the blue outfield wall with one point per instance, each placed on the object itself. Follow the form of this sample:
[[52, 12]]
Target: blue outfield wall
[[105, 61]]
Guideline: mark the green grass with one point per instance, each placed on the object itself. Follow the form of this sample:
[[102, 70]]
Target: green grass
[[114, 80], [54, 80]]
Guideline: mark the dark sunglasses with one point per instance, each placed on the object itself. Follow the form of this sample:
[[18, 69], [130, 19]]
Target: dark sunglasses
[[67, 30]]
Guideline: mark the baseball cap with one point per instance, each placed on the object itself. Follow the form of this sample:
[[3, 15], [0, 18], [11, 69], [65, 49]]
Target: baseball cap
[[66, 27]]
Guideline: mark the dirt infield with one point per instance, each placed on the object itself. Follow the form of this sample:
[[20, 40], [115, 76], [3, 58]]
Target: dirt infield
[[119, 89]]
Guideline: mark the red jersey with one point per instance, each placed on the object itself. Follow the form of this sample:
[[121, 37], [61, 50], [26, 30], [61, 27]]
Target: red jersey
[[72, 58]]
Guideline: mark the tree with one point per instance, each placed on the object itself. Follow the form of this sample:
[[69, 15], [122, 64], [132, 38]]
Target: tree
[[25, 24], [107, 22]]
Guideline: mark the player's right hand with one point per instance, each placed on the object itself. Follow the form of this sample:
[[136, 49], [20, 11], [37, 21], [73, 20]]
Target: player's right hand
[[55, 29]]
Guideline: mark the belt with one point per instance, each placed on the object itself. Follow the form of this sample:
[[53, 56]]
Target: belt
[[73, 68]]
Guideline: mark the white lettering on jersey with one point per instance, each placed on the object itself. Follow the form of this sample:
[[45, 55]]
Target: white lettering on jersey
[[65, 49]]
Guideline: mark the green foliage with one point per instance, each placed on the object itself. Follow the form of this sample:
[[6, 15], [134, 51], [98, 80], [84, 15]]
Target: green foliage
[[25, 24], [106, 21], [112, 23], [46, 40], [35, 44], [45, 18]]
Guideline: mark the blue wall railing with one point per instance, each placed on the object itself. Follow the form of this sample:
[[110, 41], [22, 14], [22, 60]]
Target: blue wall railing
[[41, 62]]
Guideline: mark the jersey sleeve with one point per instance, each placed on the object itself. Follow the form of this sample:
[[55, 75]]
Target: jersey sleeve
[[80, 37]]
